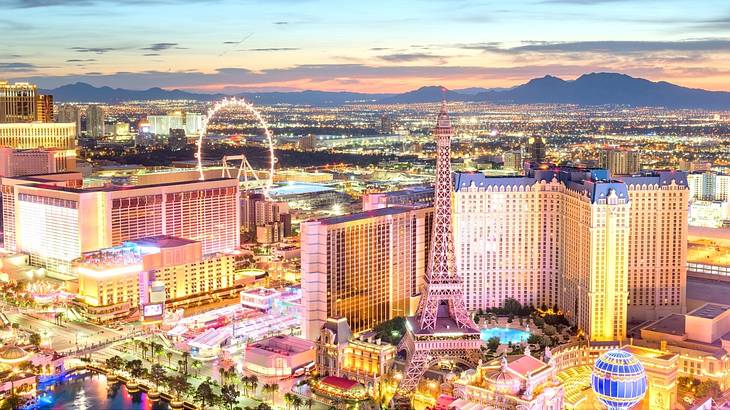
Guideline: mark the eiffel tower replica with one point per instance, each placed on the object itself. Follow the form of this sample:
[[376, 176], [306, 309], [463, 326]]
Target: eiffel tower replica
[[442, 328]]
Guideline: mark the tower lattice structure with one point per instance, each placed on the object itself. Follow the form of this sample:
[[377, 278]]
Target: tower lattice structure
[[442, 328]]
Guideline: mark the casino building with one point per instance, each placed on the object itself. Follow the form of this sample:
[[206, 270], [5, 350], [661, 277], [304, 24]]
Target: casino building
[[145, 275], [54, 219], [55, 140], [367, 267]]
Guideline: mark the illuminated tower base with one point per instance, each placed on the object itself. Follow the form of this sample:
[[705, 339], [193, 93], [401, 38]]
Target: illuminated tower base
[[426, 348]]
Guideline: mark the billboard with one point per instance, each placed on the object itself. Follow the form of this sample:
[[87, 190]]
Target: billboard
[[152, 310]]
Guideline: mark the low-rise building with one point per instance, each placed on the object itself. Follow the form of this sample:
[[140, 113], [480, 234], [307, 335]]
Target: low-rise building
[[524, 382], [701, 338], [280, 355], [363, 358], [259, 298]]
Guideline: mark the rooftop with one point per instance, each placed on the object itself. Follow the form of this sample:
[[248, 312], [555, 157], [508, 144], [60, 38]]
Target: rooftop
[[296, 188], [264, 292], [114, 188], [672, 324], [339, 382], [444, 326], [596, 183], [647, 352], [334, 220], [162, 241], [525, 365], [709, 311], [283, 345]]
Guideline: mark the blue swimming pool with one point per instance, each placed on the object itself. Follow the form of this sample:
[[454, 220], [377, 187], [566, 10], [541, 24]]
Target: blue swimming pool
[[505, 335]]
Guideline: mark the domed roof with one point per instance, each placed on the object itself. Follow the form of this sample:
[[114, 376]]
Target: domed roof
[[618, 379], [12, 354], [504, 381]]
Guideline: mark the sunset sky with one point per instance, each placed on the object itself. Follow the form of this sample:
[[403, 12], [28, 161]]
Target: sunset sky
[[373, 46]]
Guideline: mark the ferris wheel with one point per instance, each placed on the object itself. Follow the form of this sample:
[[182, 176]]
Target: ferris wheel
[[245, 166]]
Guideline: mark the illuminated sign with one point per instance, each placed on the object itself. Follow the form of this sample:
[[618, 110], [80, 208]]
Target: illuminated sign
[[153, 310]]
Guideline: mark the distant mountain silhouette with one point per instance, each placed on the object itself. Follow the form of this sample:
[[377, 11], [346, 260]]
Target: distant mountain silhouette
[[475, 90], [608, 88], [424, 95], [82, 92], [588, 89]]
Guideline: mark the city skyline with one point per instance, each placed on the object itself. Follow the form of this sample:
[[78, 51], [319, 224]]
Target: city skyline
[[374, 47], [405, 205]]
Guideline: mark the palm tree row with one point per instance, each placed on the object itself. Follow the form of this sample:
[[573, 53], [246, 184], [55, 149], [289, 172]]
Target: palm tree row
[[250, 384], [178, 383]]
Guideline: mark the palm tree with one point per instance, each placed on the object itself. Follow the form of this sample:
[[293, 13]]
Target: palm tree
[[153, 348], [157, 350], [196, 365], [222, 375], [186, 356], [309, 403], [272, 389], [158, 374], [114, 363], [231, 375], [288, 399], [297, 402], [245, 382], [145, 348], [254, 382], [135, 369], [12, 402], [169, 358]]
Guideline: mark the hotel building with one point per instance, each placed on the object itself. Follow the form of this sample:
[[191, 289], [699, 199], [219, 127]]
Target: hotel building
[[417, 197], [709, 186], [95, 121], [572, 237], [619, 161], [264, 220], [56, 222], [147, 274], [15, 163], [367, 267], [19, 102], [58, 138], [657, 244], [44, 108], [68, 113]]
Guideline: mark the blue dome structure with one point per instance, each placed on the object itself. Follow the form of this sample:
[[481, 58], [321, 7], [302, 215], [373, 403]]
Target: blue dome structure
[[619, 380]]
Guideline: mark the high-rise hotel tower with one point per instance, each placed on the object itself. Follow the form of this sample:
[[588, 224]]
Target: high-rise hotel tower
[[54, 219], [367, 267], [604, 250]]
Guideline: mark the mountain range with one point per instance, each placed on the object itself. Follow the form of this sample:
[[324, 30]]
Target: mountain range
[[588, 89]]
